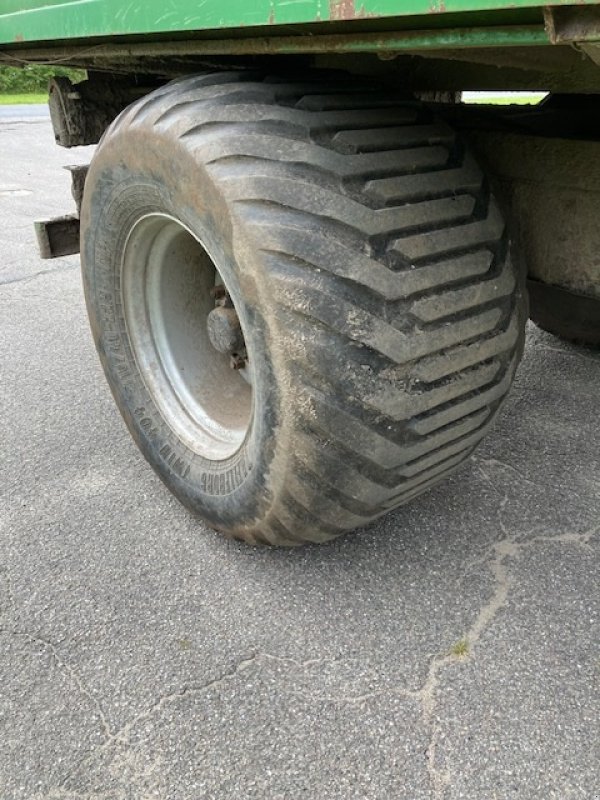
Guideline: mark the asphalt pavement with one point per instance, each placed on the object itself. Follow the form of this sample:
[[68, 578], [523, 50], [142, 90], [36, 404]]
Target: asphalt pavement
[[451, 650]]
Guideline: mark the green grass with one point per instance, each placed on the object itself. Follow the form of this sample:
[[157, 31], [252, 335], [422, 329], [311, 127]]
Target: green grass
[[460, 649], [480, 98], [515, 98], [22, 99]]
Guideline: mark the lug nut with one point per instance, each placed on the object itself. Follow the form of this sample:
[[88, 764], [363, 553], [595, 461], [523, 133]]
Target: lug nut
[[221, 296], [237, 361], [218, 291]]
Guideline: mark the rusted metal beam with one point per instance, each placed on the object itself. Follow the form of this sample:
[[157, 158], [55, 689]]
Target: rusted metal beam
[[568, 24], [561, 310], [58, 237], [78, 175], [380, 42]]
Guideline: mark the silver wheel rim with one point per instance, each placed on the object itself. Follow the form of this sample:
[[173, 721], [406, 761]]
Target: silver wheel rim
[[167, 280]]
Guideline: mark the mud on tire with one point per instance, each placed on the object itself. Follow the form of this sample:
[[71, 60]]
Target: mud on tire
[[371, 271]]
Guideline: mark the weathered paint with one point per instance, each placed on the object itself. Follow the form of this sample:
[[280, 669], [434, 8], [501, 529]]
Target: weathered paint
[[380, 43], [57, 20], [346, 9]]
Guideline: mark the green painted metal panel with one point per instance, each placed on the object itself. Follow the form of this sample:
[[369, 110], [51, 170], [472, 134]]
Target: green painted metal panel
[[48, 20]]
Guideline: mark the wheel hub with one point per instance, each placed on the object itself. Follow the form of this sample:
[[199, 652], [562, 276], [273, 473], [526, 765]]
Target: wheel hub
[[192, 355]]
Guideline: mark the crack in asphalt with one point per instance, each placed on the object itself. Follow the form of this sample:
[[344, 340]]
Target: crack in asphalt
[[440, 776], [8, 592], [39, 274], [480, 463], [508, 547], [121, 736], [66, 667], [571, 353]]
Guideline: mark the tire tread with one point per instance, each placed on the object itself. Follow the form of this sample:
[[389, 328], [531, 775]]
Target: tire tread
[[378, 234]]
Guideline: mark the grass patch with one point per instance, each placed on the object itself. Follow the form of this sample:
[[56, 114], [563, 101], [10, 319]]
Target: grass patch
[[500, 99], [22, 99], [460, 649]]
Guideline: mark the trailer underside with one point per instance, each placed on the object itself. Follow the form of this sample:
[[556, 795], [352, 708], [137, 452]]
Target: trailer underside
[[453, 46]]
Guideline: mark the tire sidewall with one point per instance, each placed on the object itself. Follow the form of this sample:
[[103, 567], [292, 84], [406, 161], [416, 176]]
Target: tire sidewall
[[131, 176]]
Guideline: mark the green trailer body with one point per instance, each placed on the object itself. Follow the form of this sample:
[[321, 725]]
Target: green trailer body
[[305, 259], [402, 24], [56, 20]]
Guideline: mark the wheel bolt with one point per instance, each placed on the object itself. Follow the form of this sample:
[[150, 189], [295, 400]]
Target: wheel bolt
[[237, 361], [218, 291]]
